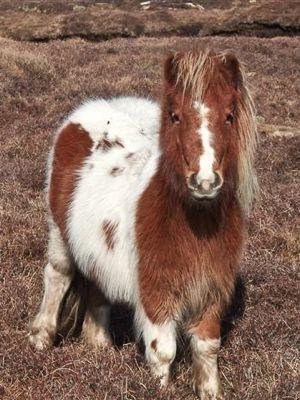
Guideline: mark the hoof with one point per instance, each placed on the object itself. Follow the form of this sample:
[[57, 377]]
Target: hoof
[[41, 338], [162, 372], [164, 381]]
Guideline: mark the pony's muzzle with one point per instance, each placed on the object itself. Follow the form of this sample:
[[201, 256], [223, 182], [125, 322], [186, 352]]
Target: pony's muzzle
[[206, 188]]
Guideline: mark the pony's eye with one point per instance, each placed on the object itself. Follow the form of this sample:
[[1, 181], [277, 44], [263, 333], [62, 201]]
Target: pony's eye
[[229, 119], [174, 118]]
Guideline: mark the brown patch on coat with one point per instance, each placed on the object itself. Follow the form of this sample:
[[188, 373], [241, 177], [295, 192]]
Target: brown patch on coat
[[187, 254], [154, 344], [209, 326], [208, 329], [188, 250], [109, 228], [72, 147]]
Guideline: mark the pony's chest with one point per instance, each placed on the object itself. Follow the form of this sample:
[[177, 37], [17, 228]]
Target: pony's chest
[[180, 249]]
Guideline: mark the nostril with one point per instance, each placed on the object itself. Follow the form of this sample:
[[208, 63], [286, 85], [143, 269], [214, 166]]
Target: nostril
[[193, 181], [218, 180]]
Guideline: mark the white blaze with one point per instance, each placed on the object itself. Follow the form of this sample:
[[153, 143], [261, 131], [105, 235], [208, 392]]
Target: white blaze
[[207, 158]]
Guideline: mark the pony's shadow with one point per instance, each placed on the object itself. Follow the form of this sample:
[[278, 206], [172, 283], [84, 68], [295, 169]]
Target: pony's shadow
[[236, 309], [121, 326], [73, 310]]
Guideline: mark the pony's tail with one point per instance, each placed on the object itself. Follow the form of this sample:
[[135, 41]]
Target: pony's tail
[[73, 308]]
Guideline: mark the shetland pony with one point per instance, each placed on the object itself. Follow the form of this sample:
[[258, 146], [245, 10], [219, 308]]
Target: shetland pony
[[150, 204]]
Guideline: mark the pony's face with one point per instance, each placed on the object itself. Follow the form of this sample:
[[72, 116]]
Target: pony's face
[[200, 129]]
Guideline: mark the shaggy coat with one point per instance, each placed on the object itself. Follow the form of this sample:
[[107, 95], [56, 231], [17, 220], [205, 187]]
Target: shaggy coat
[[150, 202]]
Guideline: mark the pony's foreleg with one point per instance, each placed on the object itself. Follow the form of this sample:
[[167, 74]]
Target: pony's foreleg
[[205, 344], [160, 347], [96, 321], [58, 275]]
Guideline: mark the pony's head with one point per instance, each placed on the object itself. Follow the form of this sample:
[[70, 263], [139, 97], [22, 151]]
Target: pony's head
[[208, 131]]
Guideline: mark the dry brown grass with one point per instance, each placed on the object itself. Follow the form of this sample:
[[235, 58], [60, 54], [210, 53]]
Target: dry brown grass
[[40, 83]]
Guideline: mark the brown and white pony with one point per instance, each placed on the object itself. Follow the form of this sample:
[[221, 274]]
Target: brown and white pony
[[150, 204]]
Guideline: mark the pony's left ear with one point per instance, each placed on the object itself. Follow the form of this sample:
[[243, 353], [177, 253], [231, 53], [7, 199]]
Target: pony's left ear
[[233, 68]]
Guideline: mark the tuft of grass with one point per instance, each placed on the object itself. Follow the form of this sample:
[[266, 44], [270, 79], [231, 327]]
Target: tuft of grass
[[26, 65]]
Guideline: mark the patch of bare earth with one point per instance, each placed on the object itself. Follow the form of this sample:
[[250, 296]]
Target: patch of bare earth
[[45, 20], [40, 84]]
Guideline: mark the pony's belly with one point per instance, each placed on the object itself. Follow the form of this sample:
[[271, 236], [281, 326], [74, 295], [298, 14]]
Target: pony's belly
[[101, 224], [101, 238], [105, 254]]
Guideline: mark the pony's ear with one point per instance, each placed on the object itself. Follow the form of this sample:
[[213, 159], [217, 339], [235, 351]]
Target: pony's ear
[[233, 68], [171, 69]]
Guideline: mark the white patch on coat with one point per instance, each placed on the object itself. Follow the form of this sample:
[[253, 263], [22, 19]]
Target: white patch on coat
[[207, 158], [160, 347], [102, 196], [206, 375], [129, 116]]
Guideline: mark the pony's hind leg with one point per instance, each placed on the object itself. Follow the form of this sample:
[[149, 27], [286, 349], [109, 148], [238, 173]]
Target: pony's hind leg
[[160, 347], [205, 345], [58, 275], [96, 321]]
